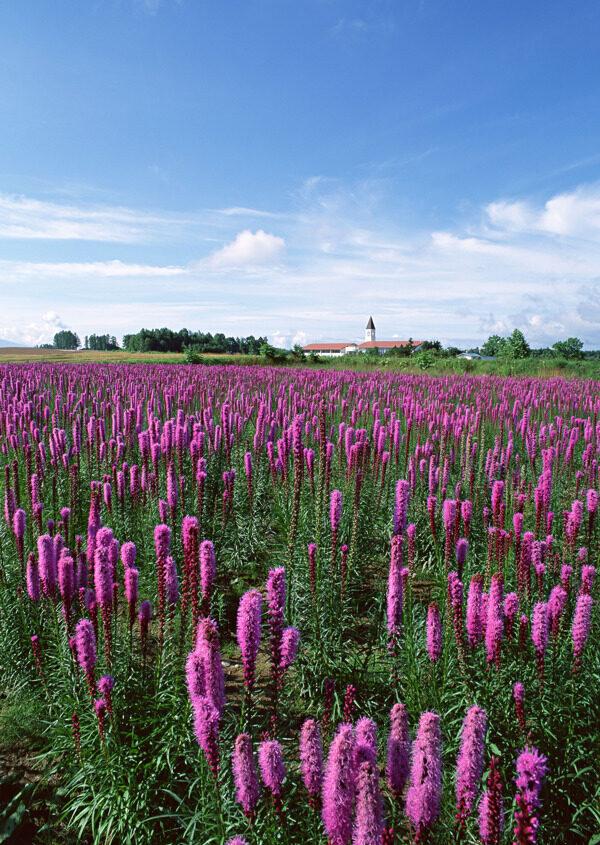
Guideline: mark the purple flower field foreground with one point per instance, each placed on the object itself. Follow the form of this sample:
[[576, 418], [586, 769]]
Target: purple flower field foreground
[[257, 605]]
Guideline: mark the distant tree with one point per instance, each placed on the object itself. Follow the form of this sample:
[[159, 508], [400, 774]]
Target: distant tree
[[452, 351], [272, 353], [571, 348], [297, 353], [66, 339], [85, 343], [494, 345], [431, 346], [516, 345]]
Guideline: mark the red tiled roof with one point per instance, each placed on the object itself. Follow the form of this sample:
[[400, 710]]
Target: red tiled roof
[[325, 347], [387, 344]]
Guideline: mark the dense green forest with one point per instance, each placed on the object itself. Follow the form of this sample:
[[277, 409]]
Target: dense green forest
[[166, 340]]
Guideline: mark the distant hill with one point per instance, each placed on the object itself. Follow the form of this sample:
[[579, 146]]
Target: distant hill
[[7, 343]]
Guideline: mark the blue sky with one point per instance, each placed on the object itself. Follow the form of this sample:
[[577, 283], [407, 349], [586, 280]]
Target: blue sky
[[288, 168]]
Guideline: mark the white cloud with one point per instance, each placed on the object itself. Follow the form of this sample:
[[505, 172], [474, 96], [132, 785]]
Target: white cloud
[[249, 249], [572, 214], [34, 333], [515, 263]]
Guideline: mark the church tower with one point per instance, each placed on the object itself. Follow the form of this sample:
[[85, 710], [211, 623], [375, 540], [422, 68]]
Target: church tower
[[370, 330]]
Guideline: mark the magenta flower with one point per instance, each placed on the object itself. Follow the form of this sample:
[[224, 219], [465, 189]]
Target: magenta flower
[[289, 647], [434, 631], [335, 511], [394, 594], [47, 565], [469, 765], [276, 592], [539, 635], [249, 633], [272, 769], [369, 810], [425, 791], [311, 759], [398, 750], [86, 645], [206, 731], [103, 575], [531, 771], [494, 629], [401, 508], [33, 578], [474, 601], [194, 676], [128, 553], [581, 626], [207, 646], [237, 840], [366, 741], [339, 787], [511, 608], [247, 791], [131, 578], [208, 568]]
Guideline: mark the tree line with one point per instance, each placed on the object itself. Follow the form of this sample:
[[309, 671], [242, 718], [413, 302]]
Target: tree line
[[167, 340]]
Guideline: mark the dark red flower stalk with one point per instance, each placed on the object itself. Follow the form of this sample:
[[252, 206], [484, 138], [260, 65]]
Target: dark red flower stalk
[[249, 634], [349, 701], [531, 771], [100, 708], [162, 541], [431, 504], [343, 571], [37, 657], [328, 698], [491, 807], [539, 635], [523, 626], [519, 696], [76, 734], [144, 617], [312, 569], [105, 687], [311, 757], [434, 631], [190, 589]]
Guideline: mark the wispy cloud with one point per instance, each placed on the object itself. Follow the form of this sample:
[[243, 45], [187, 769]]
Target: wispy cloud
[[336, 256], [26, 218]]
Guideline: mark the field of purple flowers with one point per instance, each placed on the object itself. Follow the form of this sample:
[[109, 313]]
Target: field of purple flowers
[[253, 605]]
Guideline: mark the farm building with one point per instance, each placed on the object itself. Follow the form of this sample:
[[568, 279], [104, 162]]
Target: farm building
[[330, 349]]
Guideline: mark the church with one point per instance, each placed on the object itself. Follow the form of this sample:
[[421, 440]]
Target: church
[[331, 349]]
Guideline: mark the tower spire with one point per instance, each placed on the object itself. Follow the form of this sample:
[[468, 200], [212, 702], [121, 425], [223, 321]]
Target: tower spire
[[370, 330]]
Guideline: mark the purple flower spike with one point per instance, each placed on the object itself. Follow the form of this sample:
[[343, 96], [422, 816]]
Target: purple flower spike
[[339, 786], [398, 750], [425, 791], [272, 769], [289, 647], [369, 810], [247, 791], [469, 766], [311, 758]]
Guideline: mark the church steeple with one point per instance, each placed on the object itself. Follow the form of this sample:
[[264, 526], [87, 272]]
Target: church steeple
[[370, 330]]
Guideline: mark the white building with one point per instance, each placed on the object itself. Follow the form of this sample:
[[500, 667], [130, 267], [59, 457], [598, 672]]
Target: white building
[[331, 349]]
